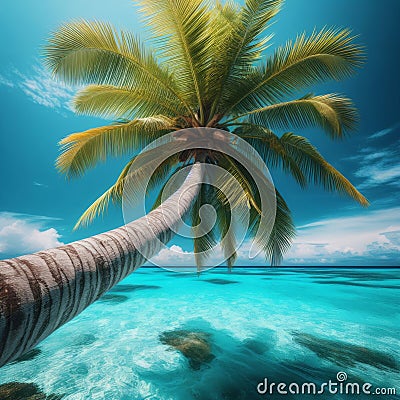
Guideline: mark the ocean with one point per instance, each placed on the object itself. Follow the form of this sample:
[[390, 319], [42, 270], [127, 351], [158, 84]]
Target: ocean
[[165, 335]]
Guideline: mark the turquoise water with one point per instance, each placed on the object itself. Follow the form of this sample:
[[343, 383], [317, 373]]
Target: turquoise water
[[282, 324]]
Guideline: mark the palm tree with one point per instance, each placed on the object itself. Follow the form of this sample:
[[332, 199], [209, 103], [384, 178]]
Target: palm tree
[[209, 69]]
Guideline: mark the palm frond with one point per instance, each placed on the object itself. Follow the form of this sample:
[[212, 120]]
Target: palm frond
[[275, 243], [283, 232], [93, 52], [317, 169], [242, 45], [255, 16], [328, 54], [225, 18], [226, 230], [245, 192], [332, 113], [83, 150], [124, 103], [116, 192], [271, 150], [203, 230], [182, 31]]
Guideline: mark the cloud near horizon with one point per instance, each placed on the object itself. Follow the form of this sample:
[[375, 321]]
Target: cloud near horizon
[[372, 237], [23, 233], [369, 238]]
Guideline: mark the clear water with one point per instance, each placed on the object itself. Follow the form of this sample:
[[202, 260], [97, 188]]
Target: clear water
[[113, 349]]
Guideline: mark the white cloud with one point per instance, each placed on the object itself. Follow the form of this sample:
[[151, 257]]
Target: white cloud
[[174, 255], [384, 132], [378, 166], [5, 82], [39, 184], [41, 88], [22, 233], [381, 168], [381, 133], [367, 238], [373, 235], [377, 174]]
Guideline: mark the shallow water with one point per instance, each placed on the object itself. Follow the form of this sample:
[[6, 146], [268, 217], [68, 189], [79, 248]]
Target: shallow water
[[285, 325]]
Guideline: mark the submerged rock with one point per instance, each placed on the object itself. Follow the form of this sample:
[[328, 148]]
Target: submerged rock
[[220, 281], [84, 339], [194, 345], [24, 391], [131, 288], [113, 298], [352, 283], [255, 346], [345, 354]]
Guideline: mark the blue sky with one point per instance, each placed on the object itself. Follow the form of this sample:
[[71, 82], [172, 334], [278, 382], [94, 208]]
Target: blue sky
[[38, 207]]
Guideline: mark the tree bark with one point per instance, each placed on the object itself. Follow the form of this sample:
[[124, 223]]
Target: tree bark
[[40, 292]]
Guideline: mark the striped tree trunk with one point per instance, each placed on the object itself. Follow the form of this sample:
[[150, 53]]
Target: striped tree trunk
[[40, 292]]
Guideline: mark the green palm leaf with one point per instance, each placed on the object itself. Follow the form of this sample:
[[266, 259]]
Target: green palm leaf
[[131, 177], [283, 232], [124, 103], [227, 236], [330, 112], [328, 54], [242, 45], [83, 150], [182, 31], [317, 169], [205, 239], [271, 150], [85, 52]]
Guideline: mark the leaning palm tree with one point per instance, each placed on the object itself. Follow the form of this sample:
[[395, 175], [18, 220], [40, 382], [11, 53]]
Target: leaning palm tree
[[209, 67], [208, 70]]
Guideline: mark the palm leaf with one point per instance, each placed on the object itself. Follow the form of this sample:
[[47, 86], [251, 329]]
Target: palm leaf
[[204, 238], [331, 112], [271, 150], [87, 52], [83, 150], [182, 31], [124, 103], [226, 231], [116, 192], [283, 232], [317, 169], [275, 243], [328, 54], [243, 46]]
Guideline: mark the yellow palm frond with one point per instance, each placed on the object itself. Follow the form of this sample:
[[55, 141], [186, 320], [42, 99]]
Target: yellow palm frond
[[131, 177], [328, 54], [93, 52], [124, 103], [243, 45], [330, 112], [83, 150], [317, 169], [184, 34]]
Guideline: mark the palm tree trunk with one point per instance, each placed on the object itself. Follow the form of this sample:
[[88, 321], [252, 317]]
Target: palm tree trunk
[[40, 292]]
